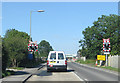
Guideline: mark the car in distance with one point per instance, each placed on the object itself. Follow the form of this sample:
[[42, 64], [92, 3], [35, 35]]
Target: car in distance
[[56, 61]]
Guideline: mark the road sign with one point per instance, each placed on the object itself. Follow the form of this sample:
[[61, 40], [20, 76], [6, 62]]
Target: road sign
[[101, 57], [32, 46], [30, 56], [106, 46], [30, 42]]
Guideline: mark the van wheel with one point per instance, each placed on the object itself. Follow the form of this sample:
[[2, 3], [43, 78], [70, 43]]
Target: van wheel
[[65, 70]]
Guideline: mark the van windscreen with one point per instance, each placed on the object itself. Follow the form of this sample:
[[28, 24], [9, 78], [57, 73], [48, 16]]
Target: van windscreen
[[60, 56], [53, 56]]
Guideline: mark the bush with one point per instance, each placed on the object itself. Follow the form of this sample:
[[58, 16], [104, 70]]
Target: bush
[[88, 61], [7, 73]]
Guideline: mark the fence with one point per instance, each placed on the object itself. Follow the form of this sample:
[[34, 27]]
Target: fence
[[113, 61]]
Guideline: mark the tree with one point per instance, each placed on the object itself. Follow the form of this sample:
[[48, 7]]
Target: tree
[[105, 27], [4, 54], [44, 48], [5, 58], [16, 43]]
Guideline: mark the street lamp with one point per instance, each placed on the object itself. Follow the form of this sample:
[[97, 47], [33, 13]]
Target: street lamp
[[40, 11], [30, 19]]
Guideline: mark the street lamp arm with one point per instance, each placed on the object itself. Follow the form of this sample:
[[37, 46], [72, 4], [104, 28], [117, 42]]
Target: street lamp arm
[[37, 11], [30, 19], [40, 11]]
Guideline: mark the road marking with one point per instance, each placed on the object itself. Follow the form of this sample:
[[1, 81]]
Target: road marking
[[78, 76], [41, 67], [31, 75], [86, 79], [105, 70]]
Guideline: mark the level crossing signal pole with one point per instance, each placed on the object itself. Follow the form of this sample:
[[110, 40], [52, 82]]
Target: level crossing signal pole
[[106, 48], [32, 48]]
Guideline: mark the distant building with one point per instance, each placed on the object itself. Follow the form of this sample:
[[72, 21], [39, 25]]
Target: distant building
[[70, 56], [79, 54]]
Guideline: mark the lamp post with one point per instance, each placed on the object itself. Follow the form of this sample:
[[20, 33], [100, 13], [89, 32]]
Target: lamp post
[[30, 19]]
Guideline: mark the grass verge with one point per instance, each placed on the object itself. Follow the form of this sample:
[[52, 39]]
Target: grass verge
[[88, 61], [31, 64], [92, 63], [111, 68], [18, 68], [7, 73]]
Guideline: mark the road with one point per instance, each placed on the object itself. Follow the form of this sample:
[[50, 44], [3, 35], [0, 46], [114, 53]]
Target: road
[[75, 72], [90, 74], [43, 75]]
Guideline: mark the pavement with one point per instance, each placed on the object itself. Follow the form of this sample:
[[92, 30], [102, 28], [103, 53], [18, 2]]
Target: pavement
[[0, 80], [21, 75]]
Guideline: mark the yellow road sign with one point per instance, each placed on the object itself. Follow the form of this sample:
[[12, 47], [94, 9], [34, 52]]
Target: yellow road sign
[[101, 57]]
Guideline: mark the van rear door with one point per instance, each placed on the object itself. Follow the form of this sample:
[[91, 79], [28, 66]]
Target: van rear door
[[52, 58], [61, 59]]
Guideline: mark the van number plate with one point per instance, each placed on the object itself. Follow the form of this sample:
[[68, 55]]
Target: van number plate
[[52, 61]]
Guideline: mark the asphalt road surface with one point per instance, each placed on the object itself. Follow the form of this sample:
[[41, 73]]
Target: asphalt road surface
[[75, 72], [90, 74], [43, 75]]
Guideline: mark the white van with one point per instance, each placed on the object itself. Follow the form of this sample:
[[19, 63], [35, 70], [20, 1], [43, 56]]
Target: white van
[[56, 60]]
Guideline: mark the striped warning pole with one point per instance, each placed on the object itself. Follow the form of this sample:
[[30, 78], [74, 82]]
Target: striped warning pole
[[96, 62]]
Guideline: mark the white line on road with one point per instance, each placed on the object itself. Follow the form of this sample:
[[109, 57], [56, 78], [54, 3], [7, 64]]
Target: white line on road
[[86, 80], [105, 70], [78, 76]]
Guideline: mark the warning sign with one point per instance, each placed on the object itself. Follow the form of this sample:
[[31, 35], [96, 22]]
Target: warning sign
[[101, 57]]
